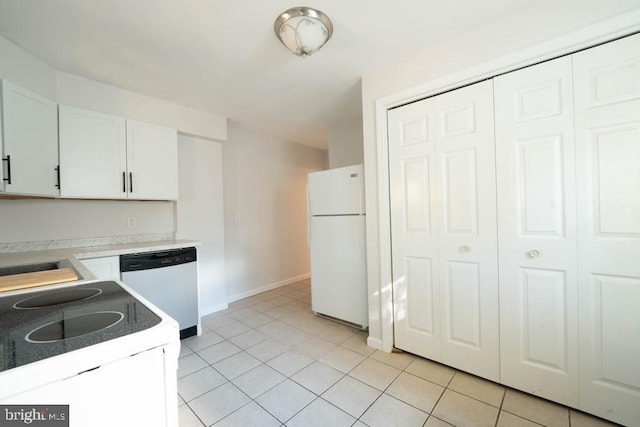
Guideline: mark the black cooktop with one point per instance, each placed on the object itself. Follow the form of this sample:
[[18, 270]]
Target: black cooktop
[[42, 324]]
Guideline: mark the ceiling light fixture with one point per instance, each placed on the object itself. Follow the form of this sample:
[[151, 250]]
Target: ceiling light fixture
[[303, 30]]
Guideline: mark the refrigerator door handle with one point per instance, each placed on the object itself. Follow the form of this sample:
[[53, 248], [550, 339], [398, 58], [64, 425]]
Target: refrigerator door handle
[[361, 198], [308, 217]]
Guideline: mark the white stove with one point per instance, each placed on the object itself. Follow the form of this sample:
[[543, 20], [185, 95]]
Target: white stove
[[98, 347]]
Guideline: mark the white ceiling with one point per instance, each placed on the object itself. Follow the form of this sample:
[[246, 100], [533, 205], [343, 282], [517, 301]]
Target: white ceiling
[[222, 56]]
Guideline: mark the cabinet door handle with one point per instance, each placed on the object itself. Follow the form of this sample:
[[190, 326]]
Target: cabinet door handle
[[8, 178], [534, 253], [130, 182], [464, 248], [124, 182], [57, 169]]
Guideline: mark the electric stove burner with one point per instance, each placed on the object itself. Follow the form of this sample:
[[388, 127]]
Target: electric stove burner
[[47, 323], [55, 298], [73, 327]]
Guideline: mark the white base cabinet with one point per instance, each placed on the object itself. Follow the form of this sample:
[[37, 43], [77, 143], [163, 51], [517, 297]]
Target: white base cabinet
[[567, 198], [104, 268], [29, 143], [132, 391]]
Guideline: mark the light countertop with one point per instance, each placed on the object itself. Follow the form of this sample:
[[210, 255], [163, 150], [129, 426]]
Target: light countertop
[[74, 255]]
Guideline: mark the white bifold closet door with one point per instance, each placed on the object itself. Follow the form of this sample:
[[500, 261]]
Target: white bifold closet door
[[607, 99], [535, 157], [443, 210]]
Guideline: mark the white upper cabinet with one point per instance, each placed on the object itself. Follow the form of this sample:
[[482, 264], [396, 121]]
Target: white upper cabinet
[[29, 143], [108, 157], [93, 154], [152, 161]]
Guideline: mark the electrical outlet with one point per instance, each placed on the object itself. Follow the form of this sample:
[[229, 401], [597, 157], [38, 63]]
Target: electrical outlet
[[131, 222]]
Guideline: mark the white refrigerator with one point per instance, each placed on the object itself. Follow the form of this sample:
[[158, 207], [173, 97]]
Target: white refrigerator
[[337, 244]]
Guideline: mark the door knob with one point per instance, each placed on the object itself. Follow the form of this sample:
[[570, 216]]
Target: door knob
[[464, 249], [534, 253]]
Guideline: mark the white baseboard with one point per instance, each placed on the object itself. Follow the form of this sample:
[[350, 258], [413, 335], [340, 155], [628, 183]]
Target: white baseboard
[[213, 308], [374, 343], [268, 287]]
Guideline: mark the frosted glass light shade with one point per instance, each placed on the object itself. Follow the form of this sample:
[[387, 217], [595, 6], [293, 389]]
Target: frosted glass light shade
[[303, 30]]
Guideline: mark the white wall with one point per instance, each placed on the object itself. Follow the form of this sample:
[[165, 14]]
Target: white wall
[[25, 70], [265, 211], [47, 219], [200, 215], [80, 92], [29, 72], [501, 43], [32, 220], [345, 144]]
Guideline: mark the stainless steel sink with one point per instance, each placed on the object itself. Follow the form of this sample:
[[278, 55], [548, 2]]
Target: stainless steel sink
[[33, 268]]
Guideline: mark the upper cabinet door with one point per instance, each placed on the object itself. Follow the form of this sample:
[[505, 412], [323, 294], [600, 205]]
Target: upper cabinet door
[[537, 230], [607, 99], [108, 157], [93, 160], [152, 160], [30, 142]]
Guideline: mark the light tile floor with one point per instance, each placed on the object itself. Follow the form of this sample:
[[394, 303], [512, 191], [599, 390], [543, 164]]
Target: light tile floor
[[269, 361]]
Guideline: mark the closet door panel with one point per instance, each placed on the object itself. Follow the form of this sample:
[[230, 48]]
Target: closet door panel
[[442, 175], [537, 230], [412, 175], [539, 174], [459, 193], [544, 298], [607, 97], [463, 312], [418, 297], [467, 243]]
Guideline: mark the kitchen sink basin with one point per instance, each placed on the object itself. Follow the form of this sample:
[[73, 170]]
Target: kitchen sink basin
[[31, 268], [32, 275]]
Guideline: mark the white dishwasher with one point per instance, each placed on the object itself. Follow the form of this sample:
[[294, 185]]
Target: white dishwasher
[[169, 280]]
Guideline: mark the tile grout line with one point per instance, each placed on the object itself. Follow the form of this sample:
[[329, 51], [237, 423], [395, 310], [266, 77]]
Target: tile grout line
[[311, 332], [504, 394], [195, 414], [230, 380]]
